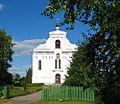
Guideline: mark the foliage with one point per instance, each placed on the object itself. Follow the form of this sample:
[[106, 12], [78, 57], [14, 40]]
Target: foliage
[[92, 12], [35, 84], [22, 80], [103, 49], [104, 57], [79, 72], [16, 77], [29, 76], [6, 53], [17, 80]]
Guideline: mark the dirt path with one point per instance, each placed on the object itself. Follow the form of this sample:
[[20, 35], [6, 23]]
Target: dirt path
[[27, 99]]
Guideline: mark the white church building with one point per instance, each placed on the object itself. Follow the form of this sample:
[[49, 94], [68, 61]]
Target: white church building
[[51, 60]]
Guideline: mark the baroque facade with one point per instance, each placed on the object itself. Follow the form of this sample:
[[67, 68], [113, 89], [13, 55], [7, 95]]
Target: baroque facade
[[51, 60]]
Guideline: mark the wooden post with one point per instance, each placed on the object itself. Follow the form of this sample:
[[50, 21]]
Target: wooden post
[[67, 93], [77, 93], [82, 93], [92, 95], [42, 92]]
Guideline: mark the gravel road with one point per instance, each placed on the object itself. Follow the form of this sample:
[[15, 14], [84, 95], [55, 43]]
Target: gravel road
[[27, 99]]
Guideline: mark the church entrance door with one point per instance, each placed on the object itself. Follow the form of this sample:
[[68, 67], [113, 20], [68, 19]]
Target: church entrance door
[[57, 78]]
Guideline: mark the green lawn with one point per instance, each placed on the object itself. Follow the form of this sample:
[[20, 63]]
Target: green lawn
[[18, 91], [58, 102]]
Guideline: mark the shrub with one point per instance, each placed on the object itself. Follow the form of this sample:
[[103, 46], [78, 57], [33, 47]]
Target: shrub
[[35, 84]]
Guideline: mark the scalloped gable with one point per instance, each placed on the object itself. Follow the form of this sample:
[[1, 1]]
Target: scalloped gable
[[50, 43]]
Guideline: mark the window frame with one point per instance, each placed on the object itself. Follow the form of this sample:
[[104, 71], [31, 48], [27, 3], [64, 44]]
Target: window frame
[[39, 65], [59, 63], [57, 44], [55, 63]]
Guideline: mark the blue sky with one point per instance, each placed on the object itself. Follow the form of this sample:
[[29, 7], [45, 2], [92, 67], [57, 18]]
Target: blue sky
[[23, 20]]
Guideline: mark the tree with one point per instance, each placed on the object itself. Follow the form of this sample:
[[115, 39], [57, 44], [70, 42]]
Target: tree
[[29, 76], [22, 80], [16, 78], [103, 54], [79, 72], [92, 12], [103, 49], [6, 53]]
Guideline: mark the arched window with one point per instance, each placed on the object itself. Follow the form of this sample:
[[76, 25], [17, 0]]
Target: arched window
[[58, 78], [57, 44], [58, 56]]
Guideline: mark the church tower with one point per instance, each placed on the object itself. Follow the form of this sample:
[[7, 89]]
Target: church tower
[[50, 60]]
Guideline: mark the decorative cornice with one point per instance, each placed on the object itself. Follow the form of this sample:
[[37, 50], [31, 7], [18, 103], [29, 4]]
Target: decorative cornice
[[43, 52], [57, 70]]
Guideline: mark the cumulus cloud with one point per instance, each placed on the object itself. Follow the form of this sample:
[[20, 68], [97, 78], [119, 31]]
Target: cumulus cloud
[[25, 47], [1, 6]]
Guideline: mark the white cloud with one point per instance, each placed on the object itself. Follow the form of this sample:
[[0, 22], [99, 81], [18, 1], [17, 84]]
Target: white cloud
[[21, 70], [27, 66], [13, 68], [25, 47], [1, 7]]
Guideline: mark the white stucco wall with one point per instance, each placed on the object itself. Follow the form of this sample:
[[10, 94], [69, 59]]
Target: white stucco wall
[[47, 54]]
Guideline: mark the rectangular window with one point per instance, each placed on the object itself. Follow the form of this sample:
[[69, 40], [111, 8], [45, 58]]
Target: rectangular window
[[55, 64], [39, 65], [59, 64]]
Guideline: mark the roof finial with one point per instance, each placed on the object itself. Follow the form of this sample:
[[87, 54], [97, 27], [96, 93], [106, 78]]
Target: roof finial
[[57, 20], [57, 25]]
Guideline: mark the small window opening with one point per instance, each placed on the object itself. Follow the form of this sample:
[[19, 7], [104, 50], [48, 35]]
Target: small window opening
[[39, 63], [57, 44], [56, 64]]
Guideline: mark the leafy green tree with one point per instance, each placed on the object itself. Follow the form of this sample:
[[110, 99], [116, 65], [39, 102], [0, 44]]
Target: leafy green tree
[[103, 54], [92, 12], [16, 79], [29, 76], [103, 49], [79, 72], [22, 80], [6, 53]]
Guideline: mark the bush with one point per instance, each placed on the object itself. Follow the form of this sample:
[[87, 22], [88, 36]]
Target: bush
[[35, 84], [20, 84]]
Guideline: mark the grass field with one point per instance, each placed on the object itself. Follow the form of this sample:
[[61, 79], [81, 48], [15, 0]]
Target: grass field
[[58, 102], [18, 91]]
